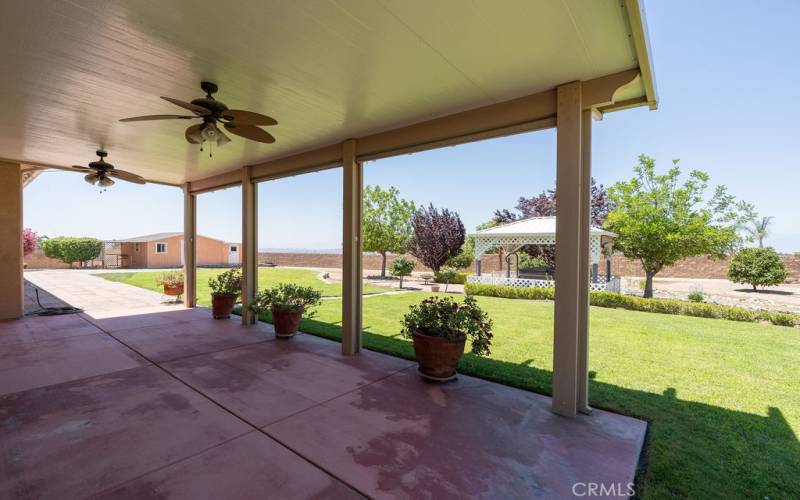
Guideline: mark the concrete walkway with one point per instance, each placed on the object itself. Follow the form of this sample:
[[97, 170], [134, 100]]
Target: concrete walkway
[[97, 296]]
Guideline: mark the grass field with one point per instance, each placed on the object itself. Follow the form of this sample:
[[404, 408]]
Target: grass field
[[722, 397], [267, 277]]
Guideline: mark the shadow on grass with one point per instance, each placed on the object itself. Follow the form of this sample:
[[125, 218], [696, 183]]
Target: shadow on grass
[[693, 449], [764, 291]]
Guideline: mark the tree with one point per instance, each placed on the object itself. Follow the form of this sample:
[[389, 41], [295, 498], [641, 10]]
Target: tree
[[386, 222], [759, 229], [757, 267], [465, 256], [401, 267], [544, 205], [660, 221], [438, 235], [68, 249], [29, 239]]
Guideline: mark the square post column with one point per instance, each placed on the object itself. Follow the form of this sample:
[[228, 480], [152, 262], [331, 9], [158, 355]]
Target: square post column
[[249, 245], [351, 249], [189, 247], [12, 286], [586, 266], [568, 244]]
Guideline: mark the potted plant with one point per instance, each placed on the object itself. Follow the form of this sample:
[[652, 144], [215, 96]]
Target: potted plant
[[172, 281], [287, 302], [226, 287], [439, 328]]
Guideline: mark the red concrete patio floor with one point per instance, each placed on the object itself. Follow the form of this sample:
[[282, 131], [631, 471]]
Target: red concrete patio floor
[[177, 405]]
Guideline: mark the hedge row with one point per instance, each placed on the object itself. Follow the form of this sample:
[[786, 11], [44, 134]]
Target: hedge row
[[663, 306], [459, 279]]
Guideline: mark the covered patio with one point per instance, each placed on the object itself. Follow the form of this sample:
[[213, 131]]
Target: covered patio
[[174, 403]]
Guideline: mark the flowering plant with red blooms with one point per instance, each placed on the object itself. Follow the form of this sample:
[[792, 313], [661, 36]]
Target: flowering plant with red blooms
[[446, 318]]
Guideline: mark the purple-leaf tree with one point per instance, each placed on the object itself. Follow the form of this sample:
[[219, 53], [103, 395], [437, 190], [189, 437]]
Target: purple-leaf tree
[[544, 205], [29, 238], [438, 235]]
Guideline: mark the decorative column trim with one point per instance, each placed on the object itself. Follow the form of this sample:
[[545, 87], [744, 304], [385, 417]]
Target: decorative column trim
[[568, 244], [353, 184], [189, 247], [249, 244]]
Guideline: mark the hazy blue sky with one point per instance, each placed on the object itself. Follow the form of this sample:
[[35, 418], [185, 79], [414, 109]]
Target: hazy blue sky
[[727, 78]]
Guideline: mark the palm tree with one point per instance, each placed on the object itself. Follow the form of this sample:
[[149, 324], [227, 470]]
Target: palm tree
[[759, 229]]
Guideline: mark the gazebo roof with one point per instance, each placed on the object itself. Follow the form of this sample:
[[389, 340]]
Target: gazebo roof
[[534, 226]]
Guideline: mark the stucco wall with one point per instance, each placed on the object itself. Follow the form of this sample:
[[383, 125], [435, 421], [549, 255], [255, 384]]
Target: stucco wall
[[489, 263], [11, 284], [698, 267]]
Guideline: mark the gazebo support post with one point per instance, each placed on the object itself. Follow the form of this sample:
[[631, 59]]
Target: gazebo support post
[[585, 261], [189, 247], [249, 245], [568, 249], [351, 249]]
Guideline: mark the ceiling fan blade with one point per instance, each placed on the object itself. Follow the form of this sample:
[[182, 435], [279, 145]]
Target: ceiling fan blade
[[192, 134], [81, 169], [194, 108], [241, 117], [250, 132], [156, 117], [125, 176]]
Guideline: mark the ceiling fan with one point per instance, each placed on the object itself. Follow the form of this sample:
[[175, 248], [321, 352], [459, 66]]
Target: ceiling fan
[[100, 172], [213, 112]]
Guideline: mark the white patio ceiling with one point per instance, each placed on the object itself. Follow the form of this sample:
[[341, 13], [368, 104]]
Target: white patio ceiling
[[326, 70]]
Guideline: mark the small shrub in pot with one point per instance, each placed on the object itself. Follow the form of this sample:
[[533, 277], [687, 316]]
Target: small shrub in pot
[[226, 287], [172, 281], [287, 302], [440, 327]]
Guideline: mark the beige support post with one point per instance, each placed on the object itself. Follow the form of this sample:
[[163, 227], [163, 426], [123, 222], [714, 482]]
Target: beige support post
[[249, 245], [351, 242], [585, 261], [189, 247], [568, 244], [12, 284]]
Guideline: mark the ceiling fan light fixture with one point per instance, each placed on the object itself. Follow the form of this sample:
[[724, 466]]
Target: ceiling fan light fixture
[[210, 132], [105, 182], [91, 178]]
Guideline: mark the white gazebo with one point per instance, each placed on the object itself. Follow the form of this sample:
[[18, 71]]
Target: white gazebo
[[510, 238]]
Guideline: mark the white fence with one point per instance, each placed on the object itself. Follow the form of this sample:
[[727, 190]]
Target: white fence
[[613, 285]]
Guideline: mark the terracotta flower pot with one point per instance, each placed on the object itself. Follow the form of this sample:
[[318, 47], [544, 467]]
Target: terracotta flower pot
[[222, 305], [173, 290], [286, 323], [438, 357]]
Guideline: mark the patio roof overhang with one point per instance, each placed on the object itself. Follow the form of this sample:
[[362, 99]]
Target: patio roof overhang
[[327, 72], [348, 82]]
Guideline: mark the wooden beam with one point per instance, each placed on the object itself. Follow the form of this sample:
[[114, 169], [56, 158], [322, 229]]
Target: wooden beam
[[568, 236], [351, 249], [301, 163], [249, 244], [585, 262], [221, 181], [189, 246]]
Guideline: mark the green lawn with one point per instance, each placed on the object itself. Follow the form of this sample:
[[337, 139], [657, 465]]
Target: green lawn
[[722, 397], [267, 277]]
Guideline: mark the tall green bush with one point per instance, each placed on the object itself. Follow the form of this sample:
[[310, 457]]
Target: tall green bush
[[69, 249]]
